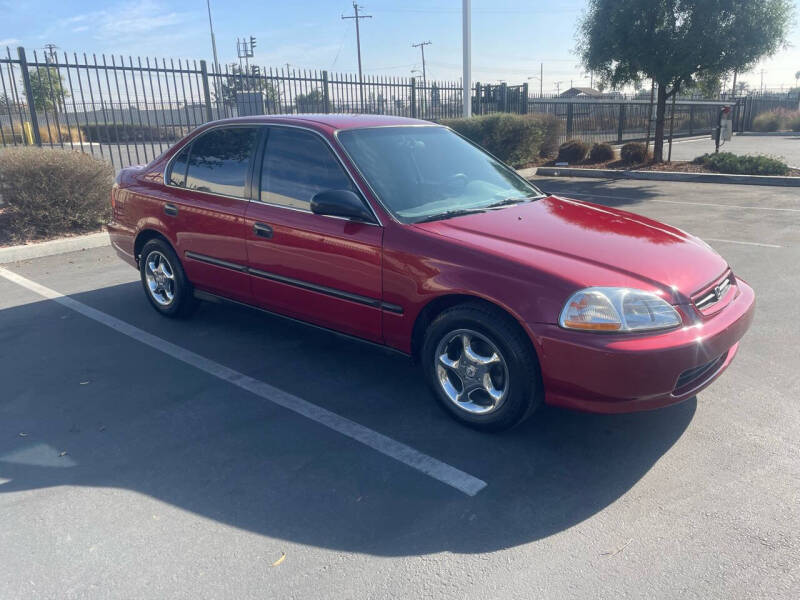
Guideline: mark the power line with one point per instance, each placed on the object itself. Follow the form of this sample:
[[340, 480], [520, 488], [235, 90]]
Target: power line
[[356, 17], [421, 47]]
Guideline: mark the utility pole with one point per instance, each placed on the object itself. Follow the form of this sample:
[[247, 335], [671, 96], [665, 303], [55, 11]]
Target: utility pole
[[421, 47], [50, 55], [466, 42], [762, 82], [356, 17], [558, 88], [541, 79]]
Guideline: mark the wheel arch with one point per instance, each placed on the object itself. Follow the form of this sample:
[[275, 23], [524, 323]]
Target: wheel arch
[[144, 236], [441, 303]]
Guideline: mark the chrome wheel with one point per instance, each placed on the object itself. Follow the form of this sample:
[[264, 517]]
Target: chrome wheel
[[471, 371], [160, 278]]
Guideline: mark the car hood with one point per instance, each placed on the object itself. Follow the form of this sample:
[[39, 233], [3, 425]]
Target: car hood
[[591, 245]]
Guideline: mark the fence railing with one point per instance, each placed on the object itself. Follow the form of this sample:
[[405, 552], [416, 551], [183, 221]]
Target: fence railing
[[129, 110]]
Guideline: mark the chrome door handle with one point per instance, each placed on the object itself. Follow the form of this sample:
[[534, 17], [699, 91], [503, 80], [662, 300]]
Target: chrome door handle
[[171, 210]]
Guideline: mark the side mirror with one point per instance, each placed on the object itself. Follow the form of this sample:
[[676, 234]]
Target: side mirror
[[341, 203]]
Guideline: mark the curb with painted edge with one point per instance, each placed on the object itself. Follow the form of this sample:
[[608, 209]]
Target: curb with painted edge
[[769, 180], [51, 248]]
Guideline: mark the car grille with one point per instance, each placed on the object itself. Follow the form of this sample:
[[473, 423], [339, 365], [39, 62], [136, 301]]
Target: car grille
[[698, 375], [706, 299]]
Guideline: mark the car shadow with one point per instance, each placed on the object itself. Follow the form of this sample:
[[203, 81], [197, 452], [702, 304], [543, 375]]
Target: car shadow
[[85, 406]]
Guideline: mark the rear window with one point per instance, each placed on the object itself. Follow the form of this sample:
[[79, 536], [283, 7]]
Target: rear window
[[218, 161]]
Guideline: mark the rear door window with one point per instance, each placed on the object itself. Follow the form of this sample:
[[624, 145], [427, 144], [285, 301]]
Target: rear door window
[[219, 161]]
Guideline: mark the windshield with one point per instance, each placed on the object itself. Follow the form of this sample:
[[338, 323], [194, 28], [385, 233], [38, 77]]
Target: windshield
[[424, 173]]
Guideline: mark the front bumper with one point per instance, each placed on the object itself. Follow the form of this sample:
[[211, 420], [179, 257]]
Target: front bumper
[[614, 373]]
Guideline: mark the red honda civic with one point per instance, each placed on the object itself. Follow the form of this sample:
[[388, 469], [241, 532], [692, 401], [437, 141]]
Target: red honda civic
[[402, 233]]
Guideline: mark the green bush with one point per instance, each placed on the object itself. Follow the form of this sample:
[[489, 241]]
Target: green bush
[[794, 122], [768, 121], [601, 153], [633, 153], [726, 162], [50, 192], [515, 139], [572, 151], [130, 132]]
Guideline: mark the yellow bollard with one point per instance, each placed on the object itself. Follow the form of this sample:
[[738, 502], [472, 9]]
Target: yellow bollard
[[28, 133]]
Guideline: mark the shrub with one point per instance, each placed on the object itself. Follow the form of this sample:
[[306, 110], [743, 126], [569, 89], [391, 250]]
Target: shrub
[[572, 151], [633, 153], [130, 132], [51, 192], [61, 134], [515, 139], [768, 121], [727, 162], [601, 153], [794, 122]]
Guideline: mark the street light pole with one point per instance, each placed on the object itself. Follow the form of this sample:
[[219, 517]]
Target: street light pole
[[467, 58], [214, 50]]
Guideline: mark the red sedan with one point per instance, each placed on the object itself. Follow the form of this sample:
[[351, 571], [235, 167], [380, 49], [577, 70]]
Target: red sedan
[[402, 233]]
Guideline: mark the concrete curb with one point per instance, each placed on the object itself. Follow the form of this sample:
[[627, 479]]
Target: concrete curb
[[769, 133], [62, 246], [772, 180]]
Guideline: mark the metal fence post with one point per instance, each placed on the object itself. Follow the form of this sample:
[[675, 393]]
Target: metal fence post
[[569, 120], [691, 118], [206, 91], [478, 109], [326, 99], [413, 98], [503, 97], [523, 109], [621, 123], [26, 82]]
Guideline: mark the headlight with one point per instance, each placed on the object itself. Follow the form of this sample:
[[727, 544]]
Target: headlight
[[617, 310]]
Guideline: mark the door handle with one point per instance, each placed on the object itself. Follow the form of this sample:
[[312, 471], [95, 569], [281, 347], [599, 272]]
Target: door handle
[[262, 230], [171, 210]]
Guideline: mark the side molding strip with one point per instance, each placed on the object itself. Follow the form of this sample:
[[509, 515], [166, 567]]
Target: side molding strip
[[366, 300]]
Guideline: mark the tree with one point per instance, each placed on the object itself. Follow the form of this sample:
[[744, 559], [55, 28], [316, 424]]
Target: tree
[[311, 102], [239, 80], [47, 89], [675, 42], [796, 78]]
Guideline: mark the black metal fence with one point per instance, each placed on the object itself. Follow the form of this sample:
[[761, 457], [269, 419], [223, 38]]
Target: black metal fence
[[129, 110]]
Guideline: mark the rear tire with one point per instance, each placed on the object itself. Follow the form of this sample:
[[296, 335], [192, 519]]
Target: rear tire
[[164, 280], [482, 367]]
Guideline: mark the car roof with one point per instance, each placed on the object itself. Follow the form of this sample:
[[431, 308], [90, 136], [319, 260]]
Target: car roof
[[333, 121]]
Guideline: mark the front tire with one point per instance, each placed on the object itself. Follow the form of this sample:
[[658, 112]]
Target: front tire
[[481, 367], [164, 280]]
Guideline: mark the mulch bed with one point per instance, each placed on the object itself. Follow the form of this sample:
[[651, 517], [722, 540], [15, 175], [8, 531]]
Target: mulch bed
[[677, 166]]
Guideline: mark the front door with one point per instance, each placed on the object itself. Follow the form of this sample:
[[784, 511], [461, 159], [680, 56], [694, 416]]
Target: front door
[[321, 269]]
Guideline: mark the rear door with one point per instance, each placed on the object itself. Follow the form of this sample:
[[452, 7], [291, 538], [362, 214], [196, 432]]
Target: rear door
[[321, 269], [211, 180]]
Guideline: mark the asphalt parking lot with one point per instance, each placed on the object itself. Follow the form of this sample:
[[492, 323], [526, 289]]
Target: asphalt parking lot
[[148, 458]]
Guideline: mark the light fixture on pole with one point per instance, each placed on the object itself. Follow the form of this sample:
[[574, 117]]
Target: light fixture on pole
[[466, 42]]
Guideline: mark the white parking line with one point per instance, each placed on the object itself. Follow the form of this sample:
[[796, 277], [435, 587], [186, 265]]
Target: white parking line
[[463, 482], [708, 239], [590, 195]]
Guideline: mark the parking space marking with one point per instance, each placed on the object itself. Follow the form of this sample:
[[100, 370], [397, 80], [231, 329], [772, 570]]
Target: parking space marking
[[708, 239], [591, 195], [434, 468]]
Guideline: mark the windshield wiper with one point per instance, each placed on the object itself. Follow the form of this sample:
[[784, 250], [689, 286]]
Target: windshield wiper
[[509, 201], [451, 213]]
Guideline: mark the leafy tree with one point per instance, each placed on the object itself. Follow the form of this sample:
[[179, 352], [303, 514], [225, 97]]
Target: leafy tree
[[239, 80], [674, 42], [47, 89], [741, 87], [311, 102]]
